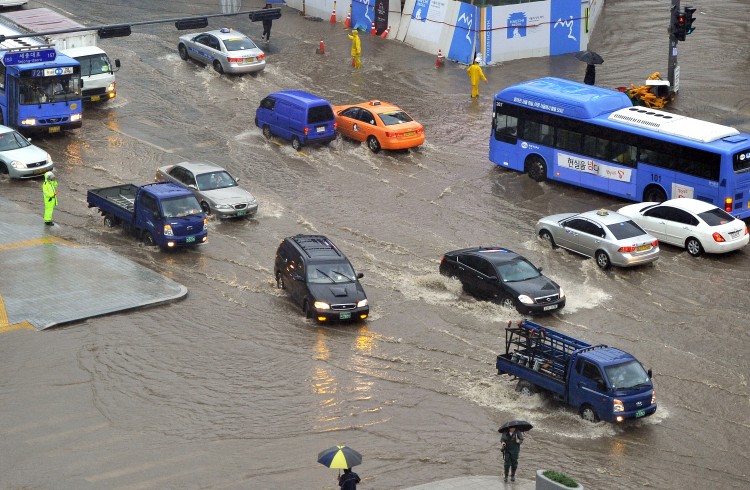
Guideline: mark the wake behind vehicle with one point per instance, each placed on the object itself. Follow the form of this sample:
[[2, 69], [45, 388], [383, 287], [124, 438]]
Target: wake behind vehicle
[[319, 277], [380, 124], [691, 224], [609, 237], [226, 50], [505, 277], [603, 383], [163, 213], [217, 191], [19, 158]]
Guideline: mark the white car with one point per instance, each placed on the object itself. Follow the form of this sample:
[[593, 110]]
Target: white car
[[689, 223], [19, 158], [227, 50]]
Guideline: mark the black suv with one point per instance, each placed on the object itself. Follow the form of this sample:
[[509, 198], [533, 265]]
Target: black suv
[[505, 277], [320, 278]]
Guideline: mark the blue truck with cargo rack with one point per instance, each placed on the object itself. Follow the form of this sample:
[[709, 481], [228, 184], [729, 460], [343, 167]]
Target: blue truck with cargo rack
[[162, 213], [603, 383]]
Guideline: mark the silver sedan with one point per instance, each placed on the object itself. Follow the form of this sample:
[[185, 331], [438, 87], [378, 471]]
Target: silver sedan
[[227, 50], [215, 188], [19, 158], [609, 237]]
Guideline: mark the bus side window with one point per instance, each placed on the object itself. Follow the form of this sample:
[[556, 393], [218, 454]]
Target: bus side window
[[2, 76], [506, 128], [624, 154]]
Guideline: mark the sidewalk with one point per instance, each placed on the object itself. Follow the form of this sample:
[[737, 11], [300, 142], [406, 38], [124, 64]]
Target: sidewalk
[[477, 483]]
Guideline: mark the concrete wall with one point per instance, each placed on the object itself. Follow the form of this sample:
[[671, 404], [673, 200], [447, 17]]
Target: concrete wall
[[460, 30]]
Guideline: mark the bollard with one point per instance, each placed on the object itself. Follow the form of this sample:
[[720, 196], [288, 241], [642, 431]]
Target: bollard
[[321, 48], [439, 61], [385, 32], [373, 31]]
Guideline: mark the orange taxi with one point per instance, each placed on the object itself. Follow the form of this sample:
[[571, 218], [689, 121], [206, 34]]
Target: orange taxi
[[380, 124]]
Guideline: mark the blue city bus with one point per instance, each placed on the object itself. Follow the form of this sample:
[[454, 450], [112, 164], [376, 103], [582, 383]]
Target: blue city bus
[[40, 88], [595, 138]]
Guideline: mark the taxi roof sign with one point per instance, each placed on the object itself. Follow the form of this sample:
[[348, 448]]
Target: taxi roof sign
[[30, 56]]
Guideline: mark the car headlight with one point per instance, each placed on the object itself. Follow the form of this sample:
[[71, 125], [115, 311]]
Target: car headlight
[[617, 405], [168, 230], [223, 206], [321, 305], [362, 303], [76, 117], [111, 87], [525, 300], [17, 165], [562, 293], [49, 159]]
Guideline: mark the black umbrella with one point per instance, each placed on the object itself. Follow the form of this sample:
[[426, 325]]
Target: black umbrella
[[589, 57], [339, 457], [520, 425]]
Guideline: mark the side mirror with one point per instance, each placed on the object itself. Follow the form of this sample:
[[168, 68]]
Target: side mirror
[[193, 186], [237, 180], [117, 63], [80, 83], [540, 269], [360, 275], [650, 374]]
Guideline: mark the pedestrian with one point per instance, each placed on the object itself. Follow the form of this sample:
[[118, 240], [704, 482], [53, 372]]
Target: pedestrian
[[349, 480], [590, 76], [49, 189], [356, 49], [267, 25], [475, 73], [511, 447]]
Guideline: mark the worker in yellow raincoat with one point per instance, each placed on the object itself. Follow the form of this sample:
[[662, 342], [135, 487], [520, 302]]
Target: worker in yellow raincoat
[[475, 73], [49, 189], [356, 49]]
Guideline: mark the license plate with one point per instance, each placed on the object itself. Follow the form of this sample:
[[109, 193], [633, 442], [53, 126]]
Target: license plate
[[249, 60], [40, 171], [190, 239], [641, 248], [54, 129], [242, 213], [550, 307], [95, 98], [640, 413], [345, 316], [410, 133], [734, 234], [320, 129]]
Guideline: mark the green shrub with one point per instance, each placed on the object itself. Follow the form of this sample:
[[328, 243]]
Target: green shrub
[[560, 478]]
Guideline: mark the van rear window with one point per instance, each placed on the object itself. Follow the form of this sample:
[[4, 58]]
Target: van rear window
[[320, 114]]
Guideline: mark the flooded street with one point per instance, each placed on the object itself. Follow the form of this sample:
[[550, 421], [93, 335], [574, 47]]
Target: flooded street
[[233, 388]]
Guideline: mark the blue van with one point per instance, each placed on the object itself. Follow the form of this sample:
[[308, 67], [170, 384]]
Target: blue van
[[298, 116]]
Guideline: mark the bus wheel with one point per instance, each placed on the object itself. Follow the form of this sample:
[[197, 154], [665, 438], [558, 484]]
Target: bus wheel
[[654, 193], [536, 168]]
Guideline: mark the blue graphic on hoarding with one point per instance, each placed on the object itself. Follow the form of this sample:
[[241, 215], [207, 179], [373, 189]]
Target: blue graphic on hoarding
[[565, 28], [464, 34], [487, 35], [24, 57], [421, 7], [363, 14], [516, 25]]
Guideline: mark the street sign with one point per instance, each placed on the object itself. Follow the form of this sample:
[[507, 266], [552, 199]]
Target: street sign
[[23, 57]]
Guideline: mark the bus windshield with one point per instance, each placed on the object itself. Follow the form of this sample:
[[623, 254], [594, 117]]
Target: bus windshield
[[44, 90]]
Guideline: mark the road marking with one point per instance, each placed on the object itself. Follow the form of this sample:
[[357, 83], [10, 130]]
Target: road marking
[[5, 326], [35, 241]]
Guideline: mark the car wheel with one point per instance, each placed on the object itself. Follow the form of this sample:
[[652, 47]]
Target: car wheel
[[110, 221], [3, 168], [183, 52], [588, 413], [654, 193], [526, 388], [547, 237], [373, 144], [267, 131], [508, 303], [217, 66], [206, 208], [536, 168], [306, 309], [280, 281], [296, 143], [602, 260], [148, 239], [693, 246]]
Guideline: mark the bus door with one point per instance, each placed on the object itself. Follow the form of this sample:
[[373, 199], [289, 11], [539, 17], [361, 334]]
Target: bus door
[[11, 98], [503, 147]]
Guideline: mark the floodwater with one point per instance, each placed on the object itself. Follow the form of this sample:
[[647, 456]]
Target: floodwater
[[233, 388]]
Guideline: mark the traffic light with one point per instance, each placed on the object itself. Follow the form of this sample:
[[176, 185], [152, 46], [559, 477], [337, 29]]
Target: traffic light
[[679, 26], [114, 31], [689, 12]]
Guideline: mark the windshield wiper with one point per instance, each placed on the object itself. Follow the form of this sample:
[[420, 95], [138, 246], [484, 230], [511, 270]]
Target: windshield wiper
[[327, 276]]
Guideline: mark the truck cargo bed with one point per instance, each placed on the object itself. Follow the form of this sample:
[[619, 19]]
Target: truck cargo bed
[[117, 200]]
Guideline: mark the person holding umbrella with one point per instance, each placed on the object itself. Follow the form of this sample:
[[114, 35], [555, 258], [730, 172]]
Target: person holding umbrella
[[349, 480], [591, 59], [342, 457], [510, 445]]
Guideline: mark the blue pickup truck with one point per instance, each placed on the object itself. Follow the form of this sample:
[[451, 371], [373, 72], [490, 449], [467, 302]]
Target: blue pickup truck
[[603, 383], [162, 213]]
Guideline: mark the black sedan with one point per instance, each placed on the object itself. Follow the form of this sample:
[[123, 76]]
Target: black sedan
[[505, 277]]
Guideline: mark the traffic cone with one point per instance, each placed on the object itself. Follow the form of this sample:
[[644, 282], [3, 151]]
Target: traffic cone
[[333, 16], [385, 32], [322, 48], [348, 21], [373, 31], [439, 61]]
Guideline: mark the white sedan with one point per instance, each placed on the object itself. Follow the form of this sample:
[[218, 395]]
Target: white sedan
[[689, 223], [227, 50]]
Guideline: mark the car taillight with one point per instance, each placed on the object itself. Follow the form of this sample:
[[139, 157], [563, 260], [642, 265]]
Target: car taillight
[[389, 134], [307, 130], [728, 204], [261, 56], [717, 237], [626, 249], [655, 243], [234, 60], [745, 230], [335, 124]]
